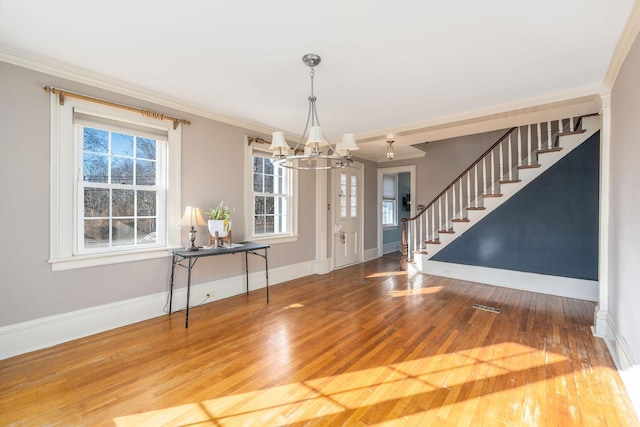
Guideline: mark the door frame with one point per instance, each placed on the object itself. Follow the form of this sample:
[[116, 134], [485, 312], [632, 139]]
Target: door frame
[[334, 211], [411, 169]]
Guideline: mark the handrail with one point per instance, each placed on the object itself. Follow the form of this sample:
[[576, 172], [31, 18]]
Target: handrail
[[435, 199]]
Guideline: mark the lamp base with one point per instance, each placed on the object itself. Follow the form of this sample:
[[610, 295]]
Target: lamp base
[[192, 239], [192, 247]]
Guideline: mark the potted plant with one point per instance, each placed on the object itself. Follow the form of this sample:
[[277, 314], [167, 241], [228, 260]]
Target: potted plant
[[219, 220]]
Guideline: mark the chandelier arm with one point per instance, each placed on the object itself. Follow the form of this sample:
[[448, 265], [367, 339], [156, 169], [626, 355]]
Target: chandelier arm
[[306, 127]]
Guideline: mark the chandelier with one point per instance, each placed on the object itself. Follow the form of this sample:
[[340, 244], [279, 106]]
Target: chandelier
[[316, 153]]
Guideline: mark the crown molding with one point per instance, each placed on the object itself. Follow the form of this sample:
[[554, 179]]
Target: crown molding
[[626, 40], [506, 113], [101, 81]]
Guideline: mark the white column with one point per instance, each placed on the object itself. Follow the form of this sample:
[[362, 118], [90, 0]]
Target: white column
[[601, 313], [322, 213]]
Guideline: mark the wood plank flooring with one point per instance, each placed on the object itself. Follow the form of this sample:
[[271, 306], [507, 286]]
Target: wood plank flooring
[[364, 345]]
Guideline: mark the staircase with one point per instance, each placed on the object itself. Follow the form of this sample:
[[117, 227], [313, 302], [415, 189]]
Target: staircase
[[516, 159]]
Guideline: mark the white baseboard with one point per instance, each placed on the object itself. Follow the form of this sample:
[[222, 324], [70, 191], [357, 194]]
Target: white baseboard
[[48, 331], [370, 254], [323, 266], [541, 283], [628, 367]]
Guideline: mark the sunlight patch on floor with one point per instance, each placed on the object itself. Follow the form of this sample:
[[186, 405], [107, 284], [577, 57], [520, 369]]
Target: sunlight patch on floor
[[416, 291], [352, 394], [387, 274]]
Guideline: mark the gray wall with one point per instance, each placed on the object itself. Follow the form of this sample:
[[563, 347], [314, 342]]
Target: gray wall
[[624, 231], [212, 171], [443, 162]]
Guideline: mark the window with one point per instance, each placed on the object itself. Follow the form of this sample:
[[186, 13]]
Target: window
[[115, 185], [389, 202], [271, 207], [119, 189]]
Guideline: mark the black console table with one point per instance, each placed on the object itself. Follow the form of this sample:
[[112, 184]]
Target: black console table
[[180, 255]]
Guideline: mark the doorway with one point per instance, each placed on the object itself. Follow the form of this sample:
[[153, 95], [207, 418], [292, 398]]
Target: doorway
[[392, 209], [347, 228]]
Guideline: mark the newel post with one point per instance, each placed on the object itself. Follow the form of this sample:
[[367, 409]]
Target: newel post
[[404, 246]]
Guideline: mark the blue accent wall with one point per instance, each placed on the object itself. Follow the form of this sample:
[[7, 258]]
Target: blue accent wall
[[549, 227]]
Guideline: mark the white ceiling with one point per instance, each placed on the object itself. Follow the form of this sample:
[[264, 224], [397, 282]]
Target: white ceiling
[[386, 66]]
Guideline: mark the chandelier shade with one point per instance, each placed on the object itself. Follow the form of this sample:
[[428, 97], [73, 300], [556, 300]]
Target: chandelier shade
[[317, 152]]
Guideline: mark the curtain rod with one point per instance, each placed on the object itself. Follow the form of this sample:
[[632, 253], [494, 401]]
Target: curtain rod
[[147, 113]]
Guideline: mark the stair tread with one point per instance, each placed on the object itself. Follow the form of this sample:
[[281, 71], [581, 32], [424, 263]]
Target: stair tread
[[492, 195], [510, 181], [549, 150], [460, 220], [529, 166], [575, 132], [446, 231], [476, 208], [433, 242]]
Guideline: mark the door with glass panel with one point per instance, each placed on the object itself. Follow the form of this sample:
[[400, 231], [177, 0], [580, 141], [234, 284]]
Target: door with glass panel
[[347, 212]]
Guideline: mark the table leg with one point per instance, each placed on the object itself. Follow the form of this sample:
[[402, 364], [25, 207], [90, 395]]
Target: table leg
[[246, 269], [173, 269], [266, 271], [186, 322]]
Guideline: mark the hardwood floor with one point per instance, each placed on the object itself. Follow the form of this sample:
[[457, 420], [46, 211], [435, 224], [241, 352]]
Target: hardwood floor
[[364, 345]]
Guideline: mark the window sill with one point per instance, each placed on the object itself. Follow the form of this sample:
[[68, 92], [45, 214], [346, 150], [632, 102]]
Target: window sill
[[274, 240], [95, 260]]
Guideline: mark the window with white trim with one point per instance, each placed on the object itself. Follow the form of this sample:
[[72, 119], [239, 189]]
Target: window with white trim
[[389, 201], [120, 187], [115, 185], [270, 200]]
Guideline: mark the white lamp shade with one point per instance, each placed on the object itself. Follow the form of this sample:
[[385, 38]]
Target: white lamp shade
[[316, 137], [278, 142], [192, 217], [349, 142], [340, 149]]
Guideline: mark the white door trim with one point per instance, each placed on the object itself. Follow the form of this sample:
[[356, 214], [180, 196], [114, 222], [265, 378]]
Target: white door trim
[[411, 169], [360, 167]]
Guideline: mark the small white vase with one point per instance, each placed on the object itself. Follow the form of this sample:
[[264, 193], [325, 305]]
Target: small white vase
[[219, 226]]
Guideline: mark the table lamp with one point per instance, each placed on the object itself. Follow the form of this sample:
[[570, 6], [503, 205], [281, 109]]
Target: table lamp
[[191, 218]]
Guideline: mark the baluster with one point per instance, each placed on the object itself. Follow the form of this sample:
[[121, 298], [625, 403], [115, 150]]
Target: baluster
[[484, 175], [468, 188], [539, 135], [440, 214], [413, 235], [446, 210], [519, 146], [501, 158], [423, 222], [460, 204], [433, 222], [529, 145], [493, 173], [572, 124], [560, 127], [510, 155], [475, 185], [453, 201], [549, 137]]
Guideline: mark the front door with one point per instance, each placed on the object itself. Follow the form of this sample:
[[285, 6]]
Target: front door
[[347, 198]]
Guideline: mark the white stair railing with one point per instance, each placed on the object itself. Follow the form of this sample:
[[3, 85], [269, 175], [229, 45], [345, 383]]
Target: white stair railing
[[516, 149]]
